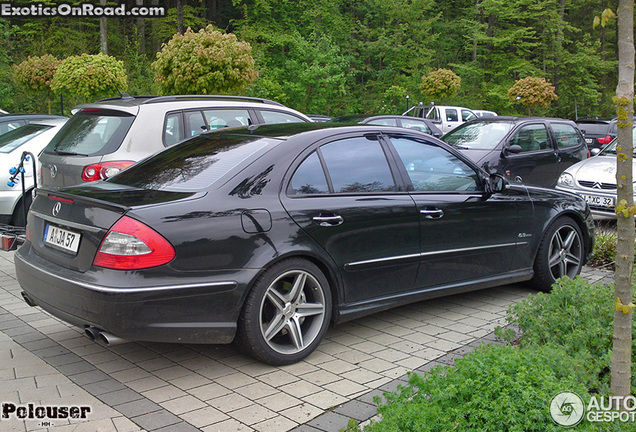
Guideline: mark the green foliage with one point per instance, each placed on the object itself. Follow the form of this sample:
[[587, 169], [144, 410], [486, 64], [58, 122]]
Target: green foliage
[[440, 84], [565, 346], [90, 77], [35, 74], [532, 92], [495, 388], [206, 62]]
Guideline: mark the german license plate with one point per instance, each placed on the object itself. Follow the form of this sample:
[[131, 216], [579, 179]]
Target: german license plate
[[61, 238], [599, 201]]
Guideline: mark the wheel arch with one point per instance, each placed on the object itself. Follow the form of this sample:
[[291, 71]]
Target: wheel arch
[[324, 265], [588, 240]]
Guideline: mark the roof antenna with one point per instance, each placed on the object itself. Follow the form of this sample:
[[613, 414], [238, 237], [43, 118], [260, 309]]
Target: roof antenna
[[121, 95]]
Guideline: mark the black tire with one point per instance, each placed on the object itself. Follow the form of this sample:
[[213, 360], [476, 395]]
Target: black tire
[[272, 306], [561, 253], [19, 216]]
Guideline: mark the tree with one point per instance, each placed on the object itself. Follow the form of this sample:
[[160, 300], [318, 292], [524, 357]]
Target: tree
[[440, 84], [206, 62], [90, 77], [34, 75], [532, 92], [625, 210]]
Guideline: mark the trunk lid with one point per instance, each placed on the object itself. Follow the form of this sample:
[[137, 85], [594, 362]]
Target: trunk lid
[[67, 226]]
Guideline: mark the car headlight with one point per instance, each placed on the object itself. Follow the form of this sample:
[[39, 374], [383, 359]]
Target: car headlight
[[566, 180]]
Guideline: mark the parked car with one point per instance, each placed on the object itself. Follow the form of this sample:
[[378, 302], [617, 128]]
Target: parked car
[[594, 179], [532, 150], [422, 125], [268, 234], [105, 137], [32, 138], [597, 132], [444, 117], [485, 113], [9, 122], [319, 117]]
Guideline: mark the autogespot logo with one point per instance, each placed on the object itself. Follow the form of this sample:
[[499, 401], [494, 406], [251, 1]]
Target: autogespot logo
[[567, 409]]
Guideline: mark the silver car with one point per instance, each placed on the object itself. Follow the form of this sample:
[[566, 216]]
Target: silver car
[[107, 136], [594, 179]]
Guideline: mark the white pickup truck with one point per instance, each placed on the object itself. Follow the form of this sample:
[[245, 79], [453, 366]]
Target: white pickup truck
[[444, 117]]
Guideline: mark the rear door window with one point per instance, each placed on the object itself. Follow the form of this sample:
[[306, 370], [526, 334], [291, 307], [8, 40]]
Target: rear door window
[[565, 135], [194, 123], [91, 132], [227, 118], [357, 165]]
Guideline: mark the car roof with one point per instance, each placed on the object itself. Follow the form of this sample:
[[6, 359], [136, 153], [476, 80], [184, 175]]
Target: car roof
[[517, 119], [51, 122]]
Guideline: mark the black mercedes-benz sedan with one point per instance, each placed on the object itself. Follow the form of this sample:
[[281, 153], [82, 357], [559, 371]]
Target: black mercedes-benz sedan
[[266, 235]]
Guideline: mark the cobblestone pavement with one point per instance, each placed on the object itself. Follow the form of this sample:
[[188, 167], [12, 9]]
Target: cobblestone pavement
[[213, 388]]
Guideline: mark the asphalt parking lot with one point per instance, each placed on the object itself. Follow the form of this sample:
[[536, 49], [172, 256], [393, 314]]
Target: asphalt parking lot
[[170, 387]]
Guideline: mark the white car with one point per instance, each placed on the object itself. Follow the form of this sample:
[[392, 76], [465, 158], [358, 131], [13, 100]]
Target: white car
[[594, 179], [445, 118], [32, 138]]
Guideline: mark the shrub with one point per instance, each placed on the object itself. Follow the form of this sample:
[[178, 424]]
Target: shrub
[[496, 388], [90, 76], [36, 73], [441, 83], [532, 92], [206, 62]]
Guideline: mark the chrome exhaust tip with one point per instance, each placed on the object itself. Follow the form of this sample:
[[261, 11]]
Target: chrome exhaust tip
[[91, 332], [109, 339]]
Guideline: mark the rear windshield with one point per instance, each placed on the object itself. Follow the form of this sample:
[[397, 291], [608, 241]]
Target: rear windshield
[[14, 139], [91, 133], [594, 128], [478, 135], [195, 164]]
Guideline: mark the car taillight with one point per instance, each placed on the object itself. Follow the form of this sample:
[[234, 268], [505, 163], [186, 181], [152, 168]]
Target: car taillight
[[604, 140], [131, 245], [102, 171]]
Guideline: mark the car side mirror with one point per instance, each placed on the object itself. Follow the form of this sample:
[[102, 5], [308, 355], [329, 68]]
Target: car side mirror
[[595, 151], [514, 149], [497, 183]]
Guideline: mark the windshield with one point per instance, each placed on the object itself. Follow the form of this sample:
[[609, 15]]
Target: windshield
[[195, 164], [611, 147], [478, 135], [14, 139], [91, 132]]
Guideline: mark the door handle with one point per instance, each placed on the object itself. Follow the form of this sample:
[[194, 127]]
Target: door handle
[[432, 213], [327, 221]]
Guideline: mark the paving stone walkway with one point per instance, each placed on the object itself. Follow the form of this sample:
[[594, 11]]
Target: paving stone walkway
[[213, 388]]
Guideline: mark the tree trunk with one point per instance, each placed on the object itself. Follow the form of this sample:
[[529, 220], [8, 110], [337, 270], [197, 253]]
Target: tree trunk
[[180, 16], [103, 33], [622, 346], [141, 31]]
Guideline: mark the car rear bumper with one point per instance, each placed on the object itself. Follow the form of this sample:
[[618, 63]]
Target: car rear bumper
[[188, 312]]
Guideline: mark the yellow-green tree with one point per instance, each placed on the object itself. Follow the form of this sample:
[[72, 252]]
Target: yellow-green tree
[[90, 77], [205, 62], [34, 76], [532, 92], [440, 84]]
